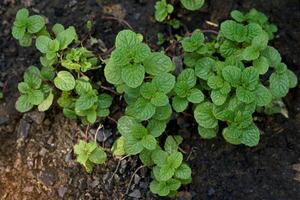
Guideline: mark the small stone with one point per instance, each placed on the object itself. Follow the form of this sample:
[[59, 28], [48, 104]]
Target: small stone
[[143, 185], [36, 117], [137, 179], [43, 152], [123, 166], [23, 129], [103, 135], [82, 184], [95, 183], [47, 178], [211, 192], [136, 194], [68, 157], [62, 191], [28, 189]]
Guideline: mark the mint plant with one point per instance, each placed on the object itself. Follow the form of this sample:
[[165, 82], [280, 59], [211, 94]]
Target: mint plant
[[162, 10], [223, 82], [26, 27], [192, 4], [89, 154]]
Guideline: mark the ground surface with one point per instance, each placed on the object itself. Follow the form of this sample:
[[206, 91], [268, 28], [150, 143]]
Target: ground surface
[[36, 159]]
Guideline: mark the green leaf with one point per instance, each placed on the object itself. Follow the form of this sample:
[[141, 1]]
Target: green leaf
[[292, 79], [35, 23], [164, 173], [237, 16], [157, 63], [112, 73], [172, 143], [179, 104], [233, 31], [204, 67], [83, 85], [174, 160], [23, 87], [127, 39], [250, 78], [272, 55], [133, 75], [159, 157], [162, 9], [22, 14], [35, 97], [187, 76], [18, 32], [215, 82], [232, 74], [91, 115], [250, 53], [173, 184], [125, 125], [23, 104], [156, 127], [149, 142], [42, 43], [262, 95], [182, 89], [48, 72], [260, 41], [191, 44], [64, 81], [45, 105], [148, 90], [245, 95], [57, 28], [163, 113], [142, 51], [183, 172], [138, 131], [32, 77], [195, 96], [204, 116], [217, 97], [66, 37], [253, 30], [98, 156], [105, 101], [145, 157], [133, 146], [279, 85], [85, 102], [232, 135], [261, 65], [164, 82], [192, 4], [159, 99], [228, 48], [207, 133], [102, 112], [250, 136], [118, 147], [142, 109], [159, 188], [26, 40]]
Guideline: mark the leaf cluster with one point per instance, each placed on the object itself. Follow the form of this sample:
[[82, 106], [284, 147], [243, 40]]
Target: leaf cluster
[[89, 154]]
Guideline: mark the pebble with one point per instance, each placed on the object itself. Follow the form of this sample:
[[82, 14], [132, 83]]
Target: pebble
[[211, 192], [123, 166], [137, 179], [95, 183], [23, 129], [136, 194], [82, 184], [46, 178], [103, 135], [36, 117], [62, 191], [43, 152]]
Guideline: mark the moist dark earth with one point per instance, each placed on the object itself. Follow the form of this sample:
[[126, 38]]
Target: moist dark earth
[[36, 158]]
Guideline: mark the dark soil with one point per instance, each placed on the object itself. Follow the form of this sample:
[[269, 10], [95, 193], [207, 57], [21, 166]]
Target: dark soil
[[36, 159]]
